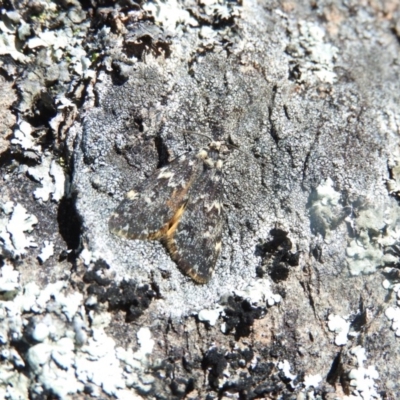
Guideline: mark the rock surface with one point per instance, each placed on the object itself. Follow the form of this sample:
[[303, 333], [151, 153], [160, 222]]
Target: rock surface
[[305, 299]]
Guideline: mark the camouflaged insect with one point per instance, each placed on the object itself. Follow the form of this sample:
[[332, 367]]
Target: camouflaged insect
[[180, 205]]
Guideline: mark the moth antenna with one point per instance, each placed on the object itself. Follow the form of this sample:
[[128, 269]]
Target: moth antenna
[[196, 133], [236, 147]]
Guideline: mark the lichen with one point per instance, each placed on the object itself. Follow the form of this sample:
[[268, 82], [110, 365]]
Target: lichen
[[341, 328], [315, 56], [14, 241], [377, 236], [325, 210], [362, 380], [51, 177]]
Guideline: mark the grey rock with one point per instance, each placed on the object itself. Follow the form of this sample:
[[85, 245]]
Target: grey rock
[[304, 300]]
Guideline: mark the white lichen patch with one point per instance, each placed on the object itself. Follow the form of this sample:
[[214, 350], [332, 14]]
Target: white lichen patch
[[285, 367], [66, 304], [57, 39], [66, 114], [13, 229], [55, 45], [362, 380], [375, 225], [9, 278], [325, 207], [65, 354], [145, 341], [13, 385], [171, 14], [341, 328], [8, 41], [312, 380], [393, 313], [51, 176], [23, 136], [393, 183], [315, 56], [136, 361], [86, 256], [46, 252], [259, 293], [97, 362]]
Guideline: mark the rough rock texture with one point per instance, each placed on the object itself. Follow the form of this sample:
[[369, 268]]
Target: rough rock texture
[[305, 299]]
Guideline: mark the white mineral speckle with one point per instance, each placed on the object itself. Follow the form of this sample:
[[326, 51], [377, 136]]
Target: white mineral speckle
[[38, 355], [210, 316], [9, 278], [7, 207], [40, 332], [223, 327], [284, 366], [393, 314], [86, 256], [47, 251], [145, 341], [312, 380], [341, 327]]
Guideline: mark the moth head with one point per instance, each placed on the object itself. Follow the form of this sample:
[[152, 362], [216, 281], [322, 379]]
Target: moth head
[[202, 154], [220, 147]]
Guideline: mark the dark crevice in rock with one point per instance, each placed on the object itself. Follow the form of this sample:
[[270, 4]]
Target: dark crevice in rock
[[70, 223]]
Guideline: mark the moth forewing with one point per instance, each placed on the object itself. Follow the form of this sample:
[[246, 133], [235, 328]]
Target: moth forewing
[[196, 244], [146, 212], [181, 205]]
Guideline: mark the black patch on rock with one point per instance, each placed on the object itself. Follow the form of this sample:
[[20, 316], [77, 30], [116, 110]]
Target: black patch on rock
[[240, 315], [93, 275], [277, 257], [181, 387], [249, 382], [126, 296], [215, 362]]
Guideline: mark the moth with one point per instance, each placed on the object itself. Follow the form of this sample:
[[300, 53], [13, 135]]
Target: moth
[[180, 205]]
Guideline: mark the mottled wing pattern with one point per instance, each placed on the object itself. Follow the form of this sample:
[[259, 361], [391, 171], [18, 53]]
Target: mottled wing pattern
[[157, 204], [196, 243]]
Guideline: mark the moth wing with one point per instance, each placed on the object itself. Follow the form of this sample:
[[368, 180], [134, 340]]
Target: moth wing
[[195, 245], [149, 211]]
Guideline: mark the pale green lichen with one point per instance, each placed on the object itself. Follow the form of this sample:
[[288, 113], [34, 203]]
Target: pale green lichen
[[377, 234]]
